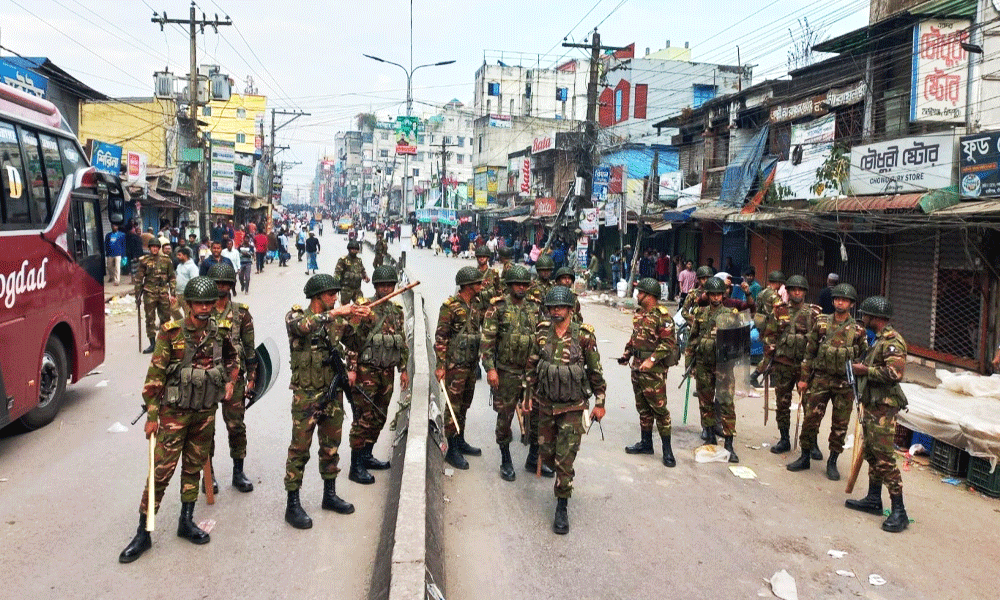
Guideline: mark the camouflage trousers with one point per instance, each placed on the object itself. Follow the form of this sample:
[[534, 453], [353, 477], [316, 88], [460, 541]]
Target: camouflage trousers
[[186, 433], [651, 401], [155, 304], [328, 426], [822, 389], [368, 422], [559, 434], [348, 295], [879, 424], [505, 399], [714, 386], [232, 414], [784, 378], [378, 260], [460, 381]]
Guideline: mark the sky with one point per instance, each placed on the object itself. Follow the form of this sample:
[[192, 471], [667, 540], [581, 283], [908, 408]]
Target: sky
[[306, 55]]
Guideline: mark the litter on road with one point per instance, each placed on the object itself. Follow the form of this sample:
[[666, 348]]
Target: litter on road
[[783, 586], [836, 553], [117, 428], [743, 472], [876, 579]]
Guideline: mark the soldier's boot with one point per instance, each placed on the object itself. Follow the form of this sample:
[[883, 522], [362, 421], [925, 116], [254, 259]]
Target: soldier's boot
[[728, 445], [186, 527], [704, 434], [560, 524], [784, 444], [373, 463], [801, 463], [294, 515], [710, 438], [872, 503], [331, 501], [755, 379], [506, 464], [719, 431], [240, 480], [897, 520], [643, 446], [466, 449], [139, 544], [531, 463], [359, 474], [816, 453], [454, 456], [152, 345], [668, 452], [831, 467]]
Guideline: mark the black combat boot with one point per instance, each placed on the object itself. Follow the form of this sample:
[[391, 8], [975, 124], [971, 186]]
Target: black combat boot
[[643, 446], [531, 463], [872, 503], [294, 515], [668, 452], [711, 439], [240, 480], [560, 524], [897, 520], [139, 544], [331, 501], [373, 463], [359, 474], [815, 453], [506, 464], [784, 444], [466, 449], [186, 527], [454, 456], [152, 345], [728, 445], [801, 464], [755, 379], [831, 467], [704, 434]]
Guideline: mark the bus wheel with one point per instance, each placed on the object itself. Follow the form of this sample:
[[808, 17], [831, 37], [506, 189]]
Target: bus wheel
[[51, 386]]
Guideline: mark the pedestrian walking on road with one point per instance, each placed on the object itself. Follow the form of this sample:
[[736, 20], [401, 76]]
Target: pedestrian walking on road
[[114, 248], [312, 251]]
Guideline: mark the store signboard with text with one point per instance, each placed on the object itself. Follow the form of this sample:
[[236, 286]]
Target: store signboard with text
[[916, 164]]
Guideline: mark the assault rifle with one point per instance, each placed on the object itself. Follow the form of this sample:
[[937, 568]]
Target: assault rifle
[[687, 372], [342, 383]]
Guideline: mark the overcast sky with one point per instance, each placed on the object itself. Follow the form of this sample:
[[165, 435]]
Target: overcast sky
[[307, 54]]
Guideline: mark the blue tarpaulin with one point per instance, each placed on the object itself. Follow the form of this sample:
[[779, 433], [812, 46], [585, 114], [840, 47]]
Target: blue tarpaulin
[[741, 173], [639, 161]]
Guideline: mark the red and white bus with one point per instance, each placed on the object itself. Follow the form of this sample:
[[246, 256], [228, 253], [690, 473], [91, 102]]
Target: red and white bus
[[51, 259]]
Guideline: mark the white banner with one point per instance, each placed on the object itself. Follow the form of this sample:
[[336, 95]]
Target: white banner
[[588, 221], [815, 138], [940, 71], [917, 164]]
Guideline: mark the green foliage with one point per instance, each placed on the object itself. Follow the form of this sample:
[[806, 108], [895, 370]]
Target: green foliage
[[834, 173], [776, 193], [366, 121]]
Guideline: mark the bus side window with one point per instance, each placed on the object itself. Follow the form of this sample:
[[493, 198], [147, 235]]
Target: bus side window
[[14, 197], [39, 191], [71, 158], [54, 172]]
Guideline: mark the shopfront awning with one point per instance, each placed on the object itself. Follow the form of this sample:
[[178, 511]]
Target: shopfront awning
[[925, 202], [154, 198], [517, 219]]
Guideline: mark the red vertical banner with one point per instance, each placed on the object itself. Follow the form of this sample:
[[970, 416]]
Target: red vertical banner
[[526, 176]]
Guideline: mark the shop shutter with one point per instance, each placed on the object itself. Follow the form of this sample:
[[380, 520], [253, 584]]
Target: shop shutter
[[911, 284]]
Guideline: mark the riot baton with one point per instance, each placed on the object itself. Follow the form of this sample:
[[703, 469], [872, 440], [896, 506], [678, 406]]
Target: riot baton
[[150, 500]]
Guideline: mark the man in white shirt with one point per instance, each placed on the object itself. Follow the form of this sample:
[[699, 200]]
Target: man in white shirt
[[186, 269]]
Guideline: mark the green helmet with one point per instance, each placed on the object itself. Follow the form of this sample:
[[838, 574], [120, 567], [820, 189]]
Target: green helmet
[[844, 290], [354, 245], [650, 286], [201, 289], [797, 281], [714, 285], [319, 283], [467, 276], [776, 277], [505, 252], [516, 274], [483, 251], [877, 306], [565, 271], [384, 274], [560, 296], [154, 241], [704, 271], [223, 272], [544, 262]]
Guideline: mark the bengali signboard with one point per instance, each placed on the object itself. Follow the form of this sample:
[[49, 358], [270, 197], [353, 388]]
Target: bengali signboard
[[599, 189], [816, 106], [500, 121], [979, 165], [940, 66], [136, 168], [588, 221], [545, 207], [106, 158], [916, 164], [815, 138], [222, 177], [670, 186]]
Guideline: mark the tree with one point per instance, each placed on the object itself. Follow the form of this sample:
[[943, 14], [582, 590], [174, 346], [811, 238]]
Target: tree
[[802, 54], [366, 121]]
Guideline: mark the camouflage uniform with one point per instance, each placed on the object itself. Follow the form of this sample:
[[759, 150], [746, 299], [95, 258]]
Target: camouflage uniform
[[563, 372], [784, 339], [492, 288], [350, 271], [882, 398], [381, 249], [691, 303], [767, 300], [508, 329], [456, 345], [189, 428], [242, 333], [652, 337], [155, 281], [538, 289], [712, 386]]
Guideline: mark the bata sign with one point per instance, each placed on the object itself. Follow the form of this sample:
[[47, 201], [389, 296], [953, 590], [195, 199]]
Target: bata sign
[[541, 144]]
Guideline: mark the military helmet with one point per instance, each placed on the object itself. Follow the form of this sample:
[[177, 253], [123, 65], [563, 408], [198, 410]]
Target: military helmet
[[319, 283], [223, 272], [876, 306], [565, 271], [154, 241], [844, 290], [714, 285], [354, 245], [544, 262], [650, 286], [560, 296], [483, 251], [704, 271], [468, 275], [516, 274], [384, 274], [201, 289], [797, 281], [776, 277]]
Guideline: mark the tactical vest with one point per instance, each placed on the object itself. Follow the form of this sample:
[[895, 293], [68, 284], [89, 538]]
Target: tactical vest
[[560, 382], [708, 328], [833, 359], [351, 278], [644, 348], [792, 343], [382, 350], [463, 347], [192, 387], [874, 393], [515, 334], [310, 360]]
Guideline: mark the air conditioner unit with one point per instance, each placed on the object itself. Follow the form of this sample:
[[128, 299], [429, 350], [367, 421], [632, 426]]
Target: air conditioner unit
[[164, 85]]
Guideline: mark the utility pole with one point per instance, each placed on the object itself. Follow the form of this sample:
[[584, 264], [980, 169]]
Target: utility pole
[[195, 174], [274, 149], [444, 169]]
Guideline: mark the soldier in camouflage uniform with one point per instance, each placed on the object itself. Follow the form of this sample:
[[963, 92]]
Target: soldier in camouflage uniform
[[508, 328], [691, 300], [715, 387], [238, 315], [833, 341], [154, 288], [192, 369], [456, 346], [381, 250], [879, 376], [544, 267], [652, 349], [566, 277], [564, 369], [767, 301], [784, 342], [350, 271], [375, 349], [314, 335], [492, 287]]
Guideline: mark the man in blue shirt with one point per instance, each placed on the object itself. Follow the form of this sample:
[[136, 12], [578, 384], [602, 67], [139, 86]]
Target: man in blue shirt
[[214, 258], [114, 250]]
